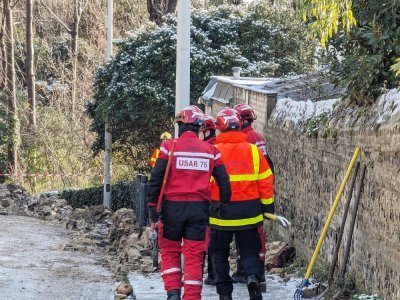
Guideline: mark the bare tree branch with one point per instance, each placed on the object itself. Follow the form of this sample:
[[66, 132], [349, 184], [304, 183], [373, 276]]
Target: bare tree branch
[[56, 17]]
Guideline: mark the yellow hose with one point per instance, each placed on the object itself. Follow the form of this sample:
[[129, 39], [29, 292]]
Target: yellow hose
[[330, 216]]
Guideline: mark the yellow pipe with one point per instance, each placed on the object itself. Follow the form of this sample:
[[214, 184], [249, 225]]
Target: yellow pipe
[[330, 216]]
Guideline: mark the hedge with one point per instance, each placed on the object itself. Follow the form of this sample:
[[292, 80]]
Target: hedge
[[122, 193]]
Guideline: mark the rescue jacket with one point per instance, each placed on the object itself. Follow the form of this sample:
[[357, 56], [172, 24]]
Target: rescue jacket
[[193, 162], [154, 157], [253, 137], [251, 183]]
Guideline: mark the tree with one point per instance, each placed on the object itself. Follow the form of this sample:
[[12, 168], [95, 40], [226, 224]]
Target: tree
[[365, 54], [159, 8], [78, 7], [13, 120], [136, 89], [29, 61]]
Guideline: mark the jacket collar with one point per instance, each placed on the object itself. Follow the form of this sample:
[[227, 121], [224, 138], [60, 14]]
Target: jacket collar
[[188, 135], [231, 137], [247, 129]]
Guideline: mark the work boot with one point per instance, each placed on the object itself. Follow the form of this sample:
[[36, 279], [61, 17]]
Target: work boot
[[225, 297], [209, 281], [174, 295], [253, 286]]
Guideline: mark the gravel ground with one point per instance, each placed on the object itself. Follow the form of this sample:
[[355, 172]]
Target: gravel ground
[[33, 266]]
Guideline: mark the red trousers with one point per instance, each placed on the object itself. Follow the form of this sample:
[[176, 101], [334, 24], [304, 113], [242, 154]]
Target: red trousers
[[183, 230]]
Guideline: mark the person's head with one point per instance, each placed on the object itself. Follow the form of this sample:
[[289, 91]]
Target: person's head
[[208, 128], [165, 136], [189, 119], [247, 114], [228, 119]]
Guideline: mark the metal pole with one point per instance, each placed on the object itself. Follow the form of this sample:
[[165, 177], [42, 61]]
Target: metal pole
[[182, 96], [107, 131]]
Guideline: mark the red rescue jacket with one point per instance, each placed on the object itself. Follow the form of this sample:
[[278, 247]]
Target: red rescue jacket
[[192, 165]]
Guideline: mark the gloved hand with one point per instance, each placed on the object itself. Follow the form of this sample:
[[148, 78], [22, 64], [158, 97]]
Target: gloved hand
[[282, 220], [153, 215], [220, 207]]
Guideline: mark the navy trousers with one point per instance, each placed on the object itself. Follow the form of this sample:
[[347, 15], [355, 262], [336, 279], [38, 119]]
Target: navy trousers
[[249, 244]]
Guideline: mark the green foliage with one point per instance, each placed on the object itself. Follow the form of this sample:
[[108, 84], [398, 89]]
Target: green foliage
[[364, 59], [123, 194], [314, 124], [326, 17], [135, 90]]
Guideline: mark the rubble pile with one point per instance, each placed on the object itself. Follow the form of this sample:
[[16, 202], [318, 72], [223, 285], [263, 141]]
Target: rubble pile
[[129, 244]]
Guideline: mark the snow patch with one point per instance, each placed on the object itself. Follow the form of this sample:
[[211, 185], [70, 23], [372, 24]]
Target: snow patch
[[288, 110], [388, 105]]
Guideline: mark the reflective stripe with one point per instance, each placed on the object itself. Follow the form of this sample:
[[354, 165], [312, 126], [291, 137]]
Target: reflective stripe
[[194, 154], [193, 282], [264, 175], [237, 222], [217, 156], [267, 201], [244, 177], [164, 150], [260, 143], [171, 270], [256, 159]]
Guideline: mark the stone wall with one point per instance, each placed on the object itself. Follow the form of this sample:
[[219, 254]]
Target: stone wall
[[309, 172]]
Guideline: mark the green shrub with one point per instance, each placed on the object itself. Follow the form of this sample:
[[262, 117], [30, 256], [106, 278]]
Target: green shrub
[[122, 193]]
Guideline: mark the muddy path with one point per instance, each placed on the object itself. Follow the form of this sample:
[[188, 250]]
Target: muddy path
[[33, 266]]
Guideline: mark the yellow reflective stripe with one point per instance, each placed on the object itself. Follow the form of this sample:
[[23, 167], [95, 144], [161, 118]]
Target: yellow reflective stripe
[[238, 222], [244, 177], [267, 201], [256, 158], [212, 179], [264, 175]]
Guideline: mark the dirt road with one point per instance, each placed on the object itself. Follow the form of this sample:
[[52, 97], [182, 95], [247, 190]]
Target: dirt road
[[32, 266]]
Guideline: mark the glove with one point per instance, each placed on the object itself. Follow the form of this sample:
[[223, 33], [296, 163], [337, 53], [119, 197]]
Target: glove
[[153, 215], [220, 207], [282, 220]]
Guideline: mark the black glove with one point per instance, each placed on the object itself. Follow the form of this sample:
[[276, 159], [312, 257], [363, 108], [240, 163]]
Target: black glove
[[220, 208], [153, 215]]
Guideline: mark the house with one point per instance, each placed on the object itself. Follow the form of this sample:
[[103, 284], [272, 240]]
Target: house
[[262, 93]]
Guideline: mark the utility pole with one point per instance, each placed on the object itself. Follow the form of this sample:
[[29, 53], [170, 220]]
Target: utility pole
[[107, 133], [182, 93]]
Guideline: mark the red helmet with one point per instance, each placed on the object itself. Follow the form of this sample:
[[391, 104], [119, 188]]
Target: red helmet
[[228, 118], [245, 111], [190, 115], [209, 123]]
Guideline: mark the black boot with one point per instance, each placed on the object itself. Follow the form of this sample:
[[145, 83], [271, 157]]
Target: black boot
[[174, 295], [253, 286], [225, 297]]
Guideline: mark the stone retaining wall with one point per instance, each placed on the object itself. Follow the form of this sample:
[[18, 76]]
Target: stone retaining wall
[[309, 172]]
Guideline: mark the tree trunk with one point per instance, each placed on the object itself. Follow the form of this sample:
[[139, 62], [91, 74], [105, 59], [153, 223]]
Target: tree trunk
[[14, 138], [74, 54], [158, 8], [29, 61], [3, 59]]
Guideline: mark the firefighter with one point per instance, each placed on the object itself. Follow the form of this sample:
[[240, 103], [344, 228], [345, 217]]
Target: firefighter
[[252, 195], [208, 135], [164, 137], [208, 130], [248, 116], [183, 221]]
